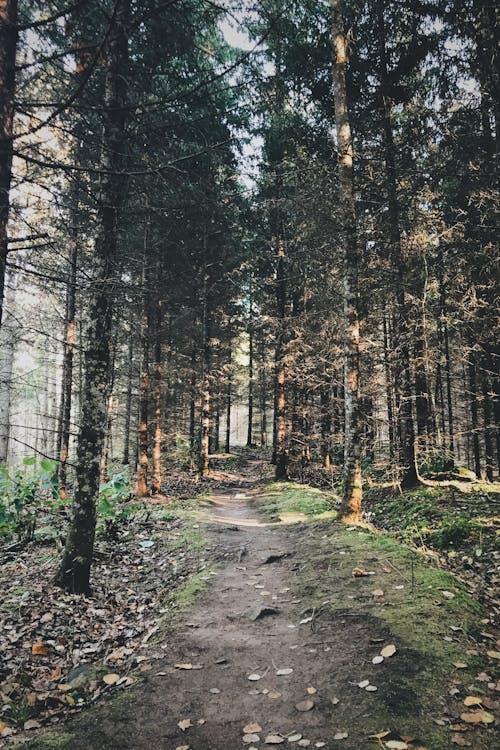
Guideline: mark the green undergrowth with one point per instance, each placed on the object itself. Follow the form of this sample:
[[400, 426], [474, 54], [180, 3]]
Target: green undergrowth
[[282, 499], [434, 517]]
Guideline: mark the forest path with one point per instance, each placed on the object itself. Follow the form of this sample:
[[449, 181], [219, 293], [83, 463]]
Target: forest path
[[230, 633], [284, 605]]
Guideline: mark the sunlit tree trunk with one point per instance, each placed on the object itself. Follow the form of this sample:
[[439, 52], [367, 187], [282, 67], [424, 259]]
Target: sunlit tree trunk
[[352, 494], [281, 471], [8, 44], [67, 370], [206, 396], [8, 337], [206, 400], [74, 570]]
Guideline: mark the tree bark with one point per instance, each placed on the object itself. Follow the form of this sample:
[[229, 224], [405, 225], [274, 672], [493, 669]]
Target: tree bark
[[228, 399], [8, 336], [145, 380], [409, 475], [476, 451], [68, 355], [262, 392], [250, 380], [74, 571], [281, 471], [352, 494], [157, 396], [8, 45], [128, 399]]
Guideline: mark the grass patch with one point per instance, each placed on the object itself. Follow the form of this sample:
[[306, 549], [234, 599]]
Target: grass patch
[[282, 499], [183, 598]]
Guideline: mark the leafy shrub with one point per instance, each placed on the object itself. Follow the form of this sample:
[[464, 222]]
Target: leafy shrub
[[113, 509], [24, 492]]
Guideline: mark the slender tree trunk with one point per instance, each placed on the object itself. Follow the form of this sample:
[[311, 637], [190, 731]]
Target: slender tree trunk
[[8, 44], [192, 403], [447, 364], [67, 378], [326, 426], [352, 496], [476, 451], [228, 399], [145, 380], [262, 392], [389, 391], [206, 401], [74, 571], [281, 471], [157, 415], [128, 399], [8, 336], [409, 476], [250, 380], [487, 429]]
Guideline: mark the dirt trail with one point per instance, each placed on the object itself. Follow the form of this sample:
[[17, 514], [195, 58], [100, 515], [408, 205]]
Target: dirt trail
[[250, 621], [222, 635]]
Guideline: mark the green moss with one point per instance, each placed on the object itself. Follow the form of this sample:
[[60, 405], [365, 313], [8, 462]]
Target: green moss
[[47, 741], [288, 498], [190, 537], [414, 614], [183, 598], [180, 509]]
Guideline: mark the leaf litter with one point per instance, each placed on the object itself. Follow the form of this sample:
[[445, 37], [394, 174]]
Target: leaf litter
[[51, 641]]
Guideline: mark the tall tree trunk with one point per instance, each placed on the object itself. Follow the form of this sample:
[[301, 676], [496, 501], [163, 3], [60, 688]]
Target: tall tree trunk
[[192, 403], [281, 471], [326, 426], [68, 355], [128, 398], [228, 399], [447, 366], [8, 44], [8, 336], [409, 476], [145, 380], [388, 390], [250, 380], [262, 392], [157, 396], [74, 571], [476, 451], [353, 493], [487, 426], [206, 402]]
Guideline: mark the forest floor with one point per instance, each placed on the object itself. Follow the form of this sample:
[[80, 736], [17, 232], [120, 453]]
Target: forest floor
[[265, 623]]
